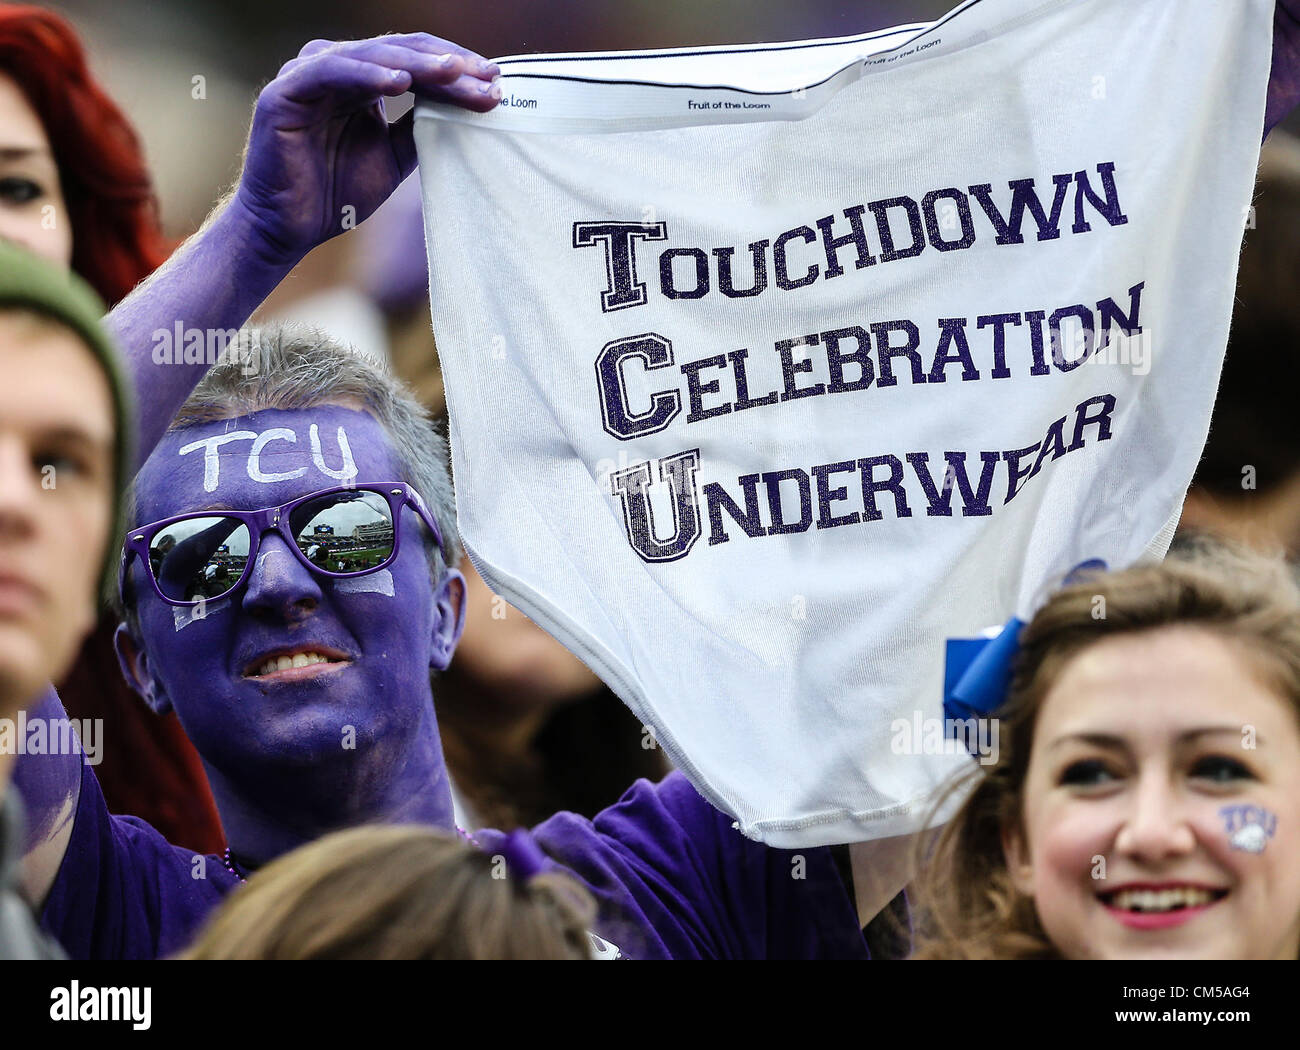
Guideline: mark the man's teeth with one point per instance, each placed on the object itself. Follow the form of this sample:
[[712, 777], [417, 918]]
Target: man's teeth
[[1161, 900], [283, 663]]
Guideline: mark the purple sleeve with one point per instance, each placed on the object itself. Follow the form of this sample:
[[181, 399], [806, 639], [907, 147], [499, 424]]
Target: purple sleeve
[[1284, 81], [123, 892], [673, 880]]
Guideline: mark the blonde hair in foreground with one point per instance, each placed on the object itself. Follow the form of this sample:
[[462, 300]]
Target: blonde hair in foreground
[[399, 892], [968, 907]]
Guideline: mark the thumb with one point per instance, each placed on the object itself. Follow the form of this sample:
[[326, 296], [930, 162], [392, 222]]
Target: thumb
[[401, 135]]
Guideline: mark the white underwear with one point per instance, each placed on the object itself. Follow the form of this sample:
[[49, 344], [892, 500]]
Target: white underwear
[[771, 367]]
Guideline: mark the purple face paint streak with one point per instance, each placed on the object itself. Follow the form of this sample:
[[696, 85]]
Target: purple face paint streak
[[290, 760]]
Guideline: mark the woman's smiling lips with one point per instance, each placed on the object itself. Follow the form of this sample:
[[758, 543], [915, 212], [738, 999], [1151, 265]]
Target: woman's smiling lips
[[296, 663], [1159, 906]]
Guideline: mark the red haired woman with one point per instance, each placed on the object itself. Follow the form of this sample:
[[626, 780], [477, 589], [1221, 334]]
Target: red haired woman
[[74, 189]]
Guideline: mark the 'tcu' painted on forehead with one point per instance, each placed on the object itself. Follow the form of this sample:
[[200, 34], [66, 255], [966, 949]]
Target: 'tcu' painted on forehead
[[212, 455]]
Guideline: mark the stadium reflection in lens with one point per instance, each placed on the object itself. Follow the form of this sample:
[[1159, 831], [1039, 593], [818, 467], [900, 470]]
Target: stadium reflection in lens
[[199, 558], [345, 532]]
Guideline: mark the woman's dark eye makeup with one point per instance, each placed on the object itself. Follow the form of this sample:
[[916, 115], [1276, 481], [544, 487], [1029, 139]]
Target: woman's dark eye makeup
[[1087, 772], [1094, 772], [18, 190], [1220, 769]]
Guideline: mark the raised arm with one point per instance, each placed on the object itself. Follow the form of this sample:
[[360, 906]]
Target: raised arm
[[321, 157]]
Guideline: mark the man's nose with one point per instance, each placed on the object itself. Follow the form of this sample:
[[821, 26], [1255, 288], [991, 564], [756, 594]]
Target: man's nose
[[279, 585]]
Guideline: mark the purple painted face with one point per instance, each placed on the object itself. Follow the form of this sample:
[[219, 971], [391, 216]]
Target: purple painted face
[[358, 729]]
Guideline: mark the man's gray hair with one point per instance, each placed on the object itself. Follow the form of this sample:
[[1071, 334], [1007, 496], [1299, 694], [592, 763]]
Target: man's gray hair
[[295, 366]]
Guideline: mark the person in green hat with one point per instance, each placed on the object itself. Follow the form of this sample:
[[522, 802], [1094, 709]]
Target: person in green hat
[[64, 456]]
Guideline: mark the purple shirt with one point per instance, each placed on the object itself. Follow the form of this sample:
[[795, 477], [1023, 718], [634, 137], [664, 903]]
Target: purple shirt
[[123, 891], [672, 880]]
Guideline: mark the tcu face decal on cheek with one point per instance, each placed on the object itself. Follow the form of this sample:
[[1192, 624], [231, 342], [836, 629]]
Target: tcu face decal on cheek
[[183, 616], [211, 446], [1248, 827], [380, 582]]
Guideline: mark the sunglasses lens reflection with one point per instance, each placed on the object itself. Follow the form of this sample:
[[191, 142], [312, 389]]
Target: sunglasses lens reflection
[[345, 533], [199, 557]]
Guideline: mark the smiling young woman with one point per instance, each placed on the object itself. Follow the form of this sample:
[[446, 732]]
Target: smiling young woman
[[1146, 802]]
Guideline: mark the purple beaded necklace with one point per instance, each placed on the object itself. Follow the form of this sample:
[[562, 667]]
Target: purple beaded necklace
[[230, 864]]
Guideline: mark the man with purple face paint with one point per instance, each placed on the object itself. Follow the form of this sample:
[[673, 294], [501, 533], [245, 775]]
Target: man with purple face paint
[[303, 694], [671, 876], [304, 688]]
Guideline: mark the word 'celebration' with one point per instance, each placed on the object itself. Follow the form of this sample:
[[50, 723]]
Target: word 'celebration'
[[643, 388]]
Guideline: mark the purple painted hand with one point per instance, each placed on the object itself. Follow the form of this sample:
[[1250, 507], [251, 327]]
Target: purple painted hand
[[321, 157], [321, 154], [1284, 83]]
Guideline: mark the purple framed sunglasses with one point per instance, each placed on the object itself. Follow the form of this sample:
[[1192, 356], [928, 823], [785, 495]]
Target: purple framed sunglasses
[[341, 532]]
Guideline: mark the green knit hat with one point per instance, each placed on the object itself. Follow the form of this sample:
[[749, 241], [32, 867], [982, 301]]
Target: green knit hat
[[30, 283]]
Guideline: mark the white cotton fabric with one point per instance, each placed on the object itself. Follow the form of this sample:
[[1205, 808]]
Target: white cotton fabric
[[776, 669]]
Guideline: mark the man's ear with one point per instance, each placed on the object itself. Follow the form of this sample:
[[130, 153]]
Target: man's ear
[[135, 669], [449, 603], [1015, 851]]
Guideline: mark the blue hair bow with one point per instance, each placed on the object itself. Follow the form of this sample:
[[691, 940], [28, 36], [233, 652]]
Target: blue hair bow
[[977, 671]]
